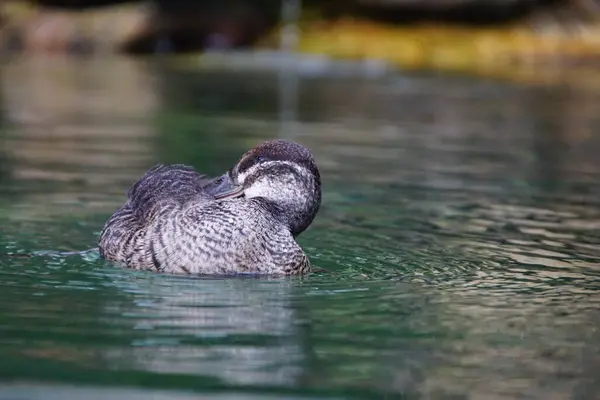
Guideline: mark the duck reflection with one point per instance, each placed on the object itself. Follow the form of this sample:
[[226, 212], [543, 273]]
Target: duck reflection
[[239, 330]]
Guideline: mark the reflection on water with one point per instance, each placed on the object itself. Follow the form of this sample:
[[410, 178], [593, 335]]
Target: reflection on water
[[74, 148], [460, 226], [239, 330]]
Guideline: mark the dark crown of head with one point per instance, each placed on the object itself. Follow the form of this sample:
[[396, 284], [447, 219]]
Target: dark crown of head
[[279, 150]]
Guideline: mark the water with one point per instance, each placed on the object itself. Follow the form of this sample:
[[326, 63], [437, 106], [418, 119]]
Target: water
[[459, 229]]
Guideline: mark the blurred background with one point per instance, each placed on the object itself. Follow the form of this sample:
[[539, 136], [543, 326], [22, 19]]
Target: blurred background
[[458, 145], [492, 37]]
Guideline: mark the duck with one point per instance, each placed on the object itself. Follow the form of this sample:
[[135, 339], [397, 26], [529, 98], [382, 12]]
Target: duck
[[178, 221]]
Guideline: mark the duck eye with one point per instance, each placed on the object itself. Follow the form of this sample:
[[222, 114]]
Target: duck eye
[[261, 158]]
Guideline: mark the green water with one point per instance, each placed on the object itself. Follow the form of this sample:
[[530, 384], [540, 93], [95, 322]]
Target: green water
[[460, 227]]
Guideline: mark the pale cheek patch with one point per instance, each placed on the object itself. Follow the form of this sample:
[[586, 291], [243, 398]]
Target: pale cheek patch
[[275, 190], [283, 189]]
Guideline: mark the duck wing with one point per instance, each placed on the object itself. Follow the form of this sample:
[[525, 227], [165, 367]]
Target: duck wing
[[161, 187], [172, 184]]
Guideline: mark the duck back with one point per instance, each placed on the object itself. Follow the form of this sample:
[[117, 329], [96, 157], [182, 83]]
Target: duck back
[[160, 189]]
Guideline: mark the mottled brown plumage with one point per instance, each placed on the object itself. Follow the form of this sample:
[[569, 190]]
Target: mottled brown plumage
[[179, 221]]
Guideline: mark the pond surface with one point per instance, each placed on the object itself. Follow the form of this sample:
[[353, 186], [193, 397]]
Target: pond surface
[[460, 230]]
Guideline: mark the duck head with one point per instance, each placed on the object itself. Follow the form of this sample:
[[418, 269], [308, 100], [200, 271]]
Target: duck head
[[280, 174]]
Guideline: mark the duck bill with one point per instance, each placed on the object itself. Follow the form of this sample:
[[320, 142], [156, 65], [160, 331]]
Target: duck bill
[[224, 188], [236, 191]]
